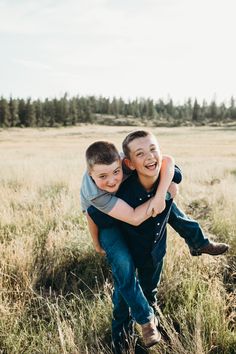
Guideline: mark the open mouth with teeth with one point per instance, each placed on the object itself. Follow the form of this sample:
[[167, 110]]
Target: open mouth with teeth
[[151, 166]]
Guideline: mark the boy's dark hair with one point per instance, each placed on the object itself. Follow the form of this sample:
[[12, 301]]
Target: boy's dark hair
[[130, 137], [101, 153]]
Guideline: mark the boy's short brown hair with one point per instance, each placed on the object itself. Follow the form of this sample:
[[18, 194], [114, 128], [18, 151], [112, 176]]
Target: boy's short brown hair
[[101, 153], [130, 137]]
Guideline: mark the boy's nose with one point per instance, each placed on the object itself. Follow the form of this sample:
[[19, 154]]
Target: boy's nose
[[150, 155], [112, 180]]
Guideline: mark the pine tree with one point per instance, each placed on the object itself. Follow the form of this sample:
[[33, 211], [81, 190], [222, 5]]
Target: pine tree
[[222, 112], [65, 110], [189, 109], [30, 118], [73, 112], [170, 108], [14, 115], [151, 112], [213, 111], [81, 107], [88, 115], [232, 109], [114, 107], [160, 108], [93, 104], [121, 105], [39, 113], [204, 110], [196, 112], [5, 116], [136, 109]]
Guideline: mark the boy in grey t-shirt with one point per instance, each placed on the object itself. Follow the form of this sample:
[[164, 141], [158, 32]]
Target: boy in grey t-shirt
[[102, 180]]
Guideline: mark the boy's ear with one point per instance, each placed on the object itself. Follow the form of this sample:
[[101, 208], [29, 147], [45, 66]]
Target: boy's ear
[[128, 163]]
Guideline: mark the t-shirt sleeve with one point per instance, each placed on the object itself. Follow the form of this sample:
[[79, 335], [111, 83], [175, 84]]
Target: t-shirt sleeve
[[90, 194], [177, 175], [104, 202]]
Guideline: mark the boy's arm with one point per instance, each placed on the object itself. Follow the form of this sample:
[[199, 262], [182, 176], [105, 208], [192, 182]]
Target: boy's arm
[[124, 212], [93, 229], [158, 203], [119, 209], [173, 189], [111, 205]]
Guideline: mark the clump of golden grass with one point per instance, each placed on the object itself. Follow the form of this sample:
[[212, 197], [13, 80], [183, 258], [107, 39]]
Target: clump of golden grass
[[56, 292]]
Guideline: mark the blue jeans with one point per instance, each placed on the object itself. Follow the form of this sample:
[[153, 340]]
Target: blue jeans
[[128, 295], [149, 276], [122, 323], [187, 228], [129, 292]]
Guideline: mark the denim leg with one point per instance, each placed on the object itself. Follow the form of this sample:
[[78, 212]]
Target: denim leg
[[123, 271], [122, 319], [187, 228], [149, 278]]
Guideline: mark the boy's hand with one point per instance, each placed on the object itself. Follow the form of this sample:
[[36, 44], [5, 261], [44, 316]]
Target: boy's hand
[[158, 203], [156, 206], [173, 189], [99, 250]]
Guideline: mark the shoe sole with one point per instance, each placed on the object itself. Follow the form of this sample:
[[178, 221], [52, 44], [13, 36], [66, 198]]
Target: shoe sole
[[157, 340], [198, 253], [154, 342]]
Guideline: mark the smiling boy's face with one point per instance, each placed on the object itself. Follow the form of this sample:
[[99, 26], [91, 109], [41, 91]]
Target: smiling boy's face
[[108, 177], [145, 156]]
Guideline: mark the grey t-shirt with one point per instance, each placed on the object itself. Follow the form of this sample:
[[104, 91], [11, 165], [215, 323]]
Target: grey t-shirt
[[90, 194], [104, 201]]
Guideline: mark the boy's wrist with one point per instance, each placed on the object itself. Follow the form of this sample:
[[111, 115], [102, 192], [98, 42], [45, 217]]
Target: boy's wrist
[[159, 195]]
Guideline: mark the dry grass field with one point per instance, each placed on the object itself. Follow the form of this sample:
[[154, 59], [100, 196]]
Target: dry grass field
[[55, 292]]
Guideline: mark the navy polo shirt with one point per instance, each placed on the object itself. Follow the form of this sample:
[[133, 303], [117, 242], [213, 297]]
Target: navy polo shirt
[[148, 238]]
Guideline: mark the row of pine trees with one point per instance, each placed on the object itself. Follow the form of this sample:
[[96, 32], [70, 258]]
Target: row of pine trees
[[65, 111]]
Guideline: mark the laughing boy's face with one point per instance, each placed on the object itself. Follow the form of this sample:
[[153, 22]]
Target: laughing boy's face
[[145, 156]]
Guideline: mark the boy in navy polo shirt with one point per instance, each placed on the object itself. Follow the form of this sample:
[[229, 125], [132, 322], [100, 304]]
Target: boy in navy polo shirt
[[147, 242], [105, 171]]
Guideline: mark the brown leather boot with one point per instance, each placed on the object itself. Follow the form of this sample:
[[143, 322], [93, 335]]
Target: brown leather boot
[[213, 248], [151, 335]]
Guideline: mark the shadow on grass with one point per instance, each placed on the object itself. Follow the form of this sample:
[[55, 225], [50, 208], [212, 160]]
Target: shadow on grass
[[87, 274]]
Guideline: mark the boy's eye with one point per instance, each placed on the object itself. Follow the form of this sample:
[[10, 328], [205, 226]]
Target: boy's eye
[[116, 172], [139, 154], [153, 148], [102, 177]]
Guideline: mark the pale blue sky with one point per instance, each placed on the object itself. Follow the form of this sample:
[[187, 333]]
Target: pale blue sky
[[132, 48]]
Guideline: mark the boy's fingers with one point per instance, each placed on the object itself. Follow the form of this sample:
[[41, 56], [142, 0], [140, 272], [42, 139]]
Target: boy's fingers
[[154, 213]]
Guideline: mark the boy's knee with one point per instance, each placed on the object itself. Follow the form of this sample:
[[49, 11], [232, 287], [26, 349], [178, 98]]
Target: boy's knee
[[124, 269], [125, 264]]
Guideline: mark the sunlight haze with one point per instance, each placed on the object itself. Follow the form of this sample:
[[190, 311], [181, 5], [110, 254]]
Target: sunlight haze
[[142, 48]]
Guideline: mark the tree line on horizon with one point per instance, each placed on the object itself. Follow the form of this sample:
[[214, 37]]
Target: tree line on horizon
[[65, 111]]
